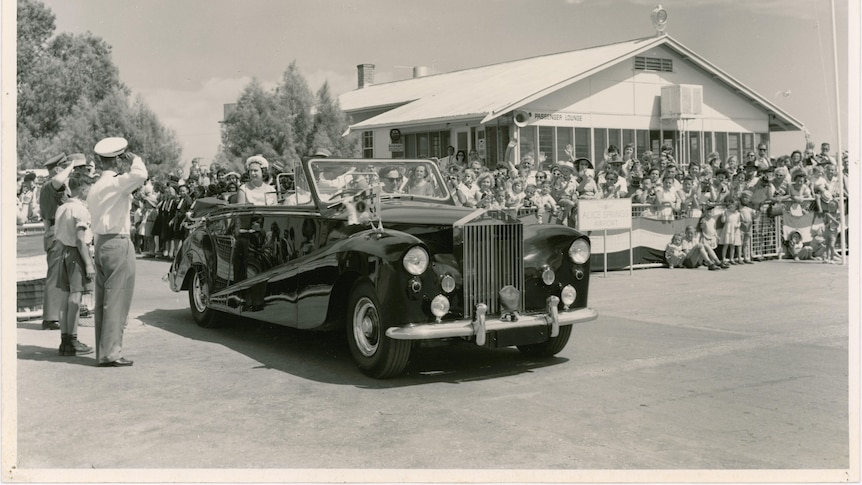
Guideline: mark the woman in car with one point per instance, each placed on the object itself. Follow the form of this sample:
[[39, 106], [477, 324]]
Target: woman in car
[[419, 183], [255, 191]]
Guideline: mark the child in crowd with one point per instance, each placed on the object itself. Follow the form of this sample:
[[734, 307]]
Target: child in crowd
[[673, 253], [747, 216], [796, 249], [709, 234], [77, 270], [516, 195], [588, 189], [690, 195], [831, 228], [697, 253], [499, 200], [545, 203], [730, 237]]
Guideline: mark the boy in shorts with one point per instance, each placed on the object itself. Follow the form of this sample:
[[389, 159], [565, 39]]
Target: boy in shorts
[[77, 269]]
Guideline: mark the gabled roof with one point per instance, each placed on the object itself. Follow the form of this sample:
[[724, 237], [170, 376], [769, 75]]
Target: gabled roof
[[493, 90]]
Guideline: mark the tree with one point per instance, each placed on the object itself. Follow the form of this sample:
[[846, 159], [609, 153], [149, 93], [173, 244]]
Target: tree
[[330, 123], [295, 101], [35, 27], [253, 127], [286, 124], [70, 95]]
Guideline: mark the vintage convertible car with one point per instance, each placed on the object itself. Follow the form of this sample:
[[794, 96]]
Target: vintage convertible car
[[381, 250]]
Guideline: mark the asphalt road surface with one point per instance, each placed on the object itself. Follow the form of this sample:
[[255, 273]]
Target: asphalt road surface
[[743, 369]]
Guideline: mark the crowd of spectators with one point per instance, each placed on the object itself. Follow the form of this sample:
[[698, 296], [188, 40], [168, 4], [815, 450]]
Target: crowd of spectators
[[659, 186]]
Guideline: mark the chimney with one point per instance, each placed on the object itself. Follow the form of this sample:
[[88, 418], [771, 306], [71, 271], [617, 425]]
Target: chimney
[[420, 71], [366, 74]]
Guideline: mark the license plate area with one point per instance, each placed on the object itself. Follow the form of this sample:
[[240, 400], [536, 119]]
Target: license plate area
[[517, 336]]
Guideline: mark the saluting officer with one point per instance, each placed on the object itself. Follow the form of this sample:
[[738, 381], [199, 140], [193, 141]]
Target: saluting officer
[[110, 202], [51, 196]]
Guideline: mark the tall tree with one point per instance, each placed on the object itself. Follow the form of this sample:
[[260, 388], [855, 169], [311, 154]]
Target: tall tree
[[330, 123], [254, 127], [295, 101], [35, 27], [70, 95]]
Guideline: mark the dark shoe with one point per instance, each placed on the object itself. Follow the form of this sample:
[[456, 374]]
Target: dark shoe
[[121, 362], [50, 325], [79, 347], [66, 349], [724, 266], [714, 267]]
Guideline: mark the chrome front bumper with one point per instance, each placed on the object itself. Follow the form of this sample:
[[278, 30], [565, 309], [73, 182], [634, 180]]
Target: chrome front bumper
[[479, 326]]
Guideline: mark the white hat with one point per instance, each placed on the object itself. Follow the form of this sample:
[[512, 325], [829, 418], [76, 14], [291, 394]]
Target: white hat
[[111, 147], [257, 158]]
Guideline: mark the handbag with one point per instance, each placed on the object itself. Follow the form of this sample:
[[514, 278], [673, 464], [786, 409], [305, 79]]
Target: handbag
[[775, 209]]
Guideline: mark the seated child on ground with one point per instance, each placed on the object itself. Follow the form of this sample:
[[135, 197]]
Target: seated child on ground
[[674, 254]]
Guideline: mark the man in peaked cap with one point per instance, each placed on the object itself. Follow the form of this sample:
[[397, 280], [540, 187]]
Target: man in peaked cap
[[51, 197], [110, 202]]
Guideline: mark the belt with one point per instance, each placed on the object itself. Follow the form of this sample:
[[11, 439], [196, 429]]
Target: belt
[[112, 236]]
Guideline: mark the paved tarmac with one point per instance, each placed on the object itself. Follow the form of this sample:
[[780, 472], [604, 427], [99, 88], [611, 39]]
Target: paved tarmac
[[744, 369]]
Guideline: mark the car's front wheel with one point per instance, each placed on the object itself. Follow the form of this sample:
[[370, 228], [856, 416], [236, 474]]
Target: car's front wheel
[[376, 354], [550, 347], [199, 296]]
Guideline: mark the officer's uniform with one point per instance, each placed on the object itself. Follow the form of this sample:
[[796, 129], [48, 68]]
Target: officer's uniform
[[110, 203], [53, 298]]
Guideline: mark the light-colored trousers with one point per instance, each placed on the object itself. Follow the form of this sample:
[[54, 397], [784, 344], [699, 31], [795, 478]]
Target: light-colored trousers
[[115, 285]]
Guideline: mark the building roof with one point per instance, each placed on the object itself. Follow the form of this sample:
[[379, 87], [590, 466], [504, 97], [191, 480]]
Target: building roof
[[494, 90]]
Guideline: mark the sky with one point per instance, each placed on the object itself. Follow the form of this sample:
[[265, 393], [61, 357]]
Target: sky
[[187, 58]]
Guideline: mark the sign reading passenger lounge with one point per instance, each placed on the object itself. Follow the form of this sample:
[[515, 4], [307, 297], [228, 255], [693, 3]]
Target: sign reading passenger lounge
[[604, 214], [558, 118]]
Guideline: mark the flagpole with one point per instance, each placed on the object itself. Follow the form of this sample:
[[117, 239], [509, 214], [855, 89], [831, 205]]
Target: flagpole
[[838, 159]]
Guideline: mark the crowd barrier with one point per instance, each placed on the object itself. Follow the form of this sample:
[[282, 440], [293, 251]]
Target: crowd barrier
[[650, 236]]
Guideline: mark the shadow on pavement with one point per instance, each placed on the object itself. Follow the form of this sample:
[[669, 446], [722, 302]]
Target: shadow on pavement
[[325, 356], [45, 354]]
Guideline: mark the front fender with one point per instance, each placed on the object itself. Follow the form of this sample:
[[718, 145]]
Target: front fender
[[373, 256], [191, 252], [547, 245]]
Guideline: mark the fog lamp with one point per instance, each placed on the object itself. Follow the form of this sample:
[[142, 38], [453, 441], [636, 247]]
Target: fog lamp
[[510, 298], [439, 306], [447, 282], [548, 276], [568, 295]]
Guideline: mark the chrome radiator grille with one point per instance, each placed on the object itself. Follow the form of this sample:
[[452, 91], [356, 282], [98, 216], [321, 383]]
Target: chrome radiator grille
[[493, 257]]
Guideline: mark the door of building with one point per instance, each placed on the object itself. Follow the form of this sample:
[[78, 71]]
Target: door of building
[[461, 137]]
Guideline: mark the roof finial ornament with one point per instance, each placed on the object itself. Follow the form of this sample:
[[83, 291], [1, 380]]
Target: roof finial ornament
[[659, 20]]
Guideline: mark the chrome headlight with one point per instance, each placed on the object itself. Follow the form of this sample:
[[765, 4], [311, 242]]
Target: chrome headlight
[[548, 276], [568, 295], [416, 260], [447, 282], [579, 251], [439, 306]]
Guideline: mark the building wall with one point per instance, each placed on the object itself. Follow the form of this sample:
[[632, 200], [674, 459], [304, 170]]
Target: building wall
[[625, 98], [622, 98]]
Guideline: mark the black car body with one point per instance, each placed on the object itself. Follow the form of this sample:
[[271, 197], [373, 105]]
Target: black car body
[[340, 252]]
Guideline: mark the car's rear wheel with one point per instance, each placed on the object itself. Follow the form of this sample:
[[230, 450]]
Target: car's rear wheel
[[376, 354], [199, 297], [552, 346]]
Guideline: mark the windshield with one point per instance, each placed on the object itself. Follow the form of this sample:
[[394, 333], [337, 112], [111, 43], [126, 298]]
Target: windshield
[[337, 179]]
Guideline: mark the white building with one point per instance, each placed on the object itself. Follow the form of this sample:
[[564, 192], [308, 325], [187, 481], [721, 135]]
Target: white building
[[647, 92]]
